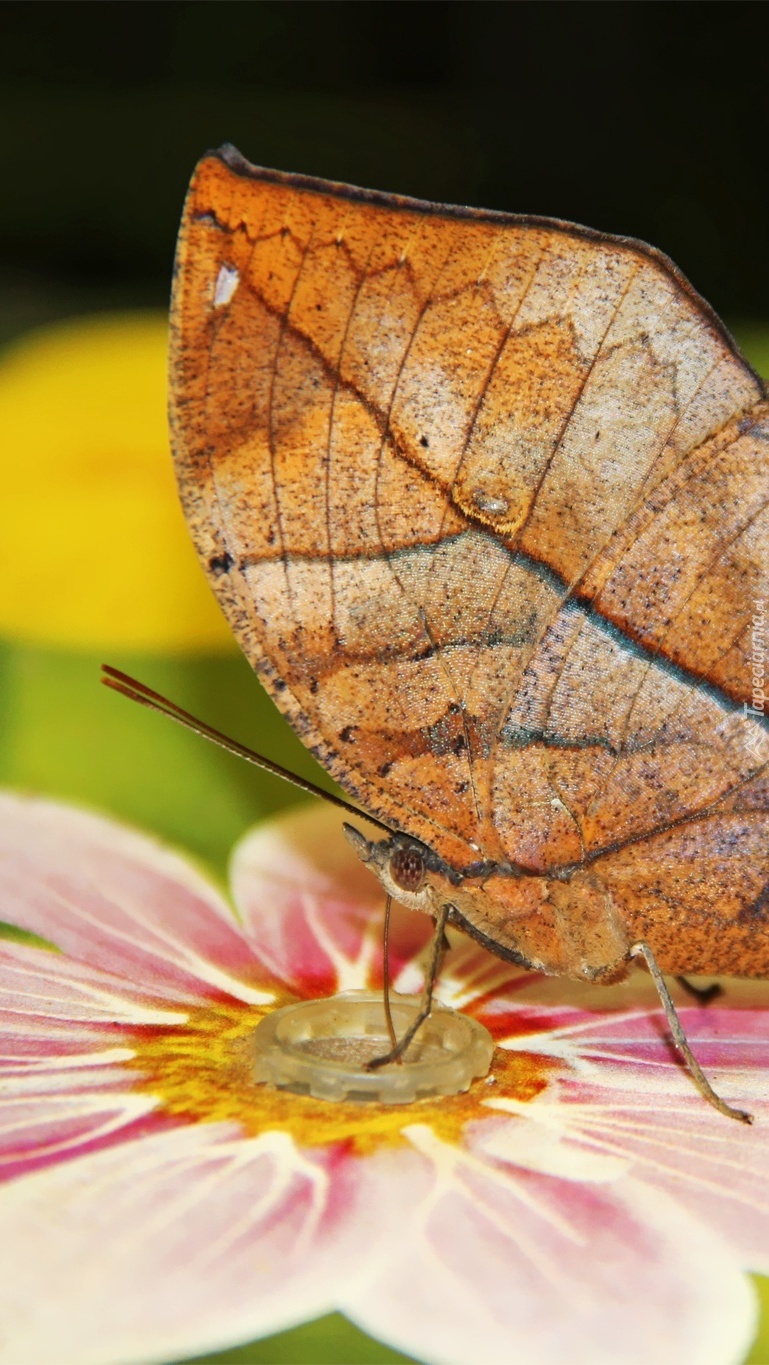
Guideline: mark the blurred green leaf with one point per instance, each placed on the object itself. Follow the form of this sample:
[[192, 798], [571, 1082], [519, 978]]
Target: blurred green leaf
[[753, 338], [328, 1341], [759, 1352], [65, 735]]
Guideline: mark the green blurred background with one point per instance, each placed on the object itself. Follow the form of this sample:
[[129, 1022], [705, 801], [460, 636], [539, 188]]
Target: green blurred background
[[637, 118]]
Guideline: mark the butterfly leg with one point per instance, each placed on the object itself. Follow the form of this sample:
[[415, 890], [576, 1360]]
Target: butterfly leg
[[702, 994], [436, 953], [679, 1038], [386, 974]]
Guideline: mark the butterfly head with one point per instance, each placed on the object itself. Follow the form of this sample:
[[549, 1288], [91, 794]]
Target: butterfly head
[[405, 867]]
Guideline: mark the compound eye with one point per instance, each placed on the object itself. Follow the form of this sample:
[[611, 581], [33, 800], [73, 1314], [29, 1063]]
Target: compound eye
[[407, 868]]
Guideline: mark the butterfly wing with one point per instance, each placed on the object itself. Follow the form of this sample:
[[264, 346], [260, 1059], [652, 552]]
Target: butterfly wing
[[485, 501]]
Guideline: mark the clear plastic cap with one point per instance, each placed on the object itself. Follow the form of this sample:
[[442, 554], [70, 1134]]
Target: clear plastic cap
[[321, 1047]]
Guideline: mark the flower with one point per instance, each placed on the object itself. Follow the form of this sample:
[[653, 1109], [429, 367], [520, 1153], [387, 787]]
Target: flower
[[94, 552], [582, 1203]]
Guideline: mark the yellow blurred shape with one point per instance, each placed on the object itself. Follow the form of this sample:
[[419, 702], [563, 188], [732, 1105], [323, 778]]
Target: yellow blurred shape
[[94, 551]]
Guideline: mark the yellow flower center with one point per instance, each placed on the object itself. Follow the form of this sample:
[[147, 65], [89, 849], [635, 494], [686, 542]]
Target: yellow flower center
[[202, 1072]]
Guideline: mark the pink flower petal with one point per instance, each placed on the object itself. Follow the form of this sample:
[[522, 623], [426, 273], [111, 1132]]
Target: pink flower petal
[[168, 1246], [39, 1129], [624, 1092], [63, 1086], [312, 910], [632, 1046], [497, 1264], [713, 1167], [48, 988], [114, 899], [470, 974]]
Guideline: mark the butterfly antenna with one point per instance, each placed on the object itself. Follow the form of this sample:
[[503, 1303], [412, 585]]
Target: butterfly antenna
[[145, 696]]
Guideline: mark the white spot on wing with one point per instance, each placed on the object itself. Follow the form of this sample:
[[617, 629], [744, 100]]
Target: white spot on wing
[[493, 507], [227, 282]]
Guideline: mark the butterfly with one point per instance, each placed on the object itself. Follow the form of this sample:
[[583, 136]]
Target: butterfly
[[485, 499]]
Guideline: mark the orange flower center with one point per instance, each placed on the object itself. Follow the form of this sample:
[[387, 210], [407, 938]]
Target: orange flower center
[[202, 1072]]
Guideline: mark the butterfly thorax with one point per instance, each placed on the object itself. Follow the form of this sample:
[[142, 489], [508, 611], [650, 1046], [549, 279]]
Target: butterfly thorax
[[561, 926]]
